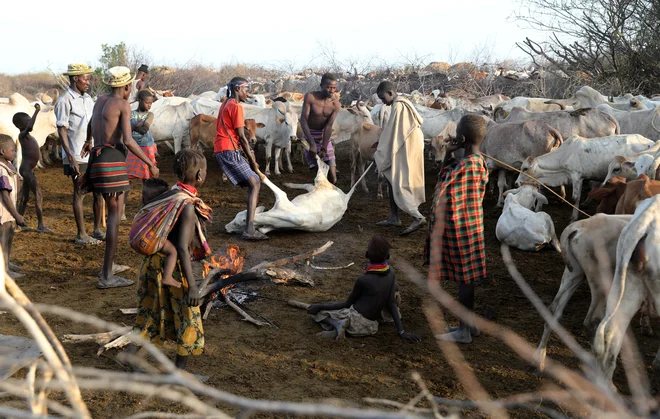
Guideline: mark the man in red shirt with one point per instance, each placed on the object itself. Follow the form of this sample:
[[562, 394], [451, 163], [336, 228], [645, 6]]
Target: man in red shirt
[[229, 139]]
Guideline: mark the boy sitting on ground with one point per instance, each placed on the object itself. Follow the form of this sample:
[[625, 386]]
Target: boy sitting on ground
[[31, 155], [151, 189], [374, 291]]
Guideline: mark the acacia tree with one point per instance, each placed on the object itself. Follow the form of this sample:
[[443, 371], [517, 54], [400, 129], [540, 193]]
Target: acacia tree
[[615, 42]]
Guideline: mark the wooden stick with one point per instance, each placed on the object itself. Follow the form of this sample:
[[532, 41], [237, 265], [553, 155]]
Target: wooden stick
[[293, 259], [240, 311], [330, 268], [100, 338], [298, 304]]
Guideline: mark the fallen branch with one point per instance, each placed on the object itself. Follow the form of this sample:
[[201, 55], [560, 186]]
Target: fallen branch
[[330, 268], [100, 338], [298, 304], [240, 311], [293, 259]]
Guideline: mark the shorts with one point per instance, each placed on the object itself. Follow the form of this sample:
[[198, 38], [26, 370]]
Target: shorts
[[69, 172], [236, 168]]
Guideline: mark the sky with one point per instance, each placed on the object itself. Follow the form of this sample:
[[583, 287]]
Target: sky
[[277, 34]]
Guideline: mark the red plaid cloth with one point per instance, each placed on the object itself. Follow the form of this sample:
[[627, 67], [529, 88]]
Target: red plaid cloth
[[136, 168], [456, 250]]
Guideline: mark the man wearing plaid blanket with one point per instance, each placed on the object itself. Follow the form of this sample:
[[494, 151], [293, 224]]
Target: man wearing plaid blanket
[[455, 247]]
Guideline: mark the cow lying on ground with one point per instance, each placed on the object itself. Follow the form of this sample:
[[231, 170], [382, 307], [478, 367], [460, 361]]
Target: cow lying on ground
[[635, 280], [579, 159], [589, 251], [318, 210], [522, 228]]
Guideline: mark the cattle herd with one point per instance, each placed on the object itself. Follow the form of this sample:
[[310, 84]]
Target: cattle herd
[[610, 142]]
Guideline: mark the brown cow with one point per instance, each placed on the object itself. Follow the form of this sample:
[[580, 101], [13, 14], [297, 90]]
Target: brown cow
[[203, 130], [609, 194], [636, 191]]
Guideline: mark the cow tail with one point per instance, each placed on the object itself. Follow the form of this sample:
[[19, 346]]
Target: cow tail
[[624, 251], [567, 254]]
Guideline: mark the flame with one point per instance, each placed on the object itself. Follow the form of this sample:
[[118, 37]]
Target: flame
[[231, 260]]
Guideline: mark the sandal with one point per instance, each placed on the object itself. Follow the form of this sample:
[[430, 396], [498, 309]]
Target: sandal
[[257, 235], [89, 240], [113, 282], [117, 268]]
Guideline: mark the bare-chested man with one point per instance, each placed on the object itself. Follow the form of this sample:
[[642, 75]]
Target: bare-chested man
[[318, 114], [106, 171]]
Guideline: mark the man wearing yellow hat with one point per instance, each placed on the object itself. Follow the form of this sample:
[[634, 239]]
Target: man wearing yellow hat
[[73, 111], [106, 171]]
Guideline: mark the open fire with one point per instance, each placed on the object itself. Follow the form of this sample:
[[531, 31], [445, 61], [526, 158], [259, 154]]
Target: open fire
[[231, 260]]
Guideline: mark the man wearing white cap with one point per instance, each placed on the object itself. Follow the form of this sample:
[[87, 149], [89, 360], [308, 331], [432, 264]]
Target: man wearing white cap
[[73, 111], [106, 171]]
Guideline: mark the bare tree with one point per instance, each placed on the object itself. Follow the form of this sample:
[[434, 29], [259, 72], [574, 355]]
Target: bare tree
[[614, 42]]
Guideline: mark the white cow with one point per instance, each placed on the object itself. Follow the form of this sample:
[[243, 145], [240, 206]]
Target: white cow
[[363, 147], [587, 123], [578, 159], [512, 143], [318, 210], [635, 279], [279, 129], [435, 121], [589, 251], [625, 166], [380, 113], [205, 106], [172, 117], [636, 122], [531, 104], [45, 124], [522, 228]]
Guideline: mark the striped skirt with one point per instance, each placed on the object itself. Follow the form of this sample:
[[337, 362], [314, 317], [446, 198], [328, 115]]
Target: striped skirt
[[106, 171]]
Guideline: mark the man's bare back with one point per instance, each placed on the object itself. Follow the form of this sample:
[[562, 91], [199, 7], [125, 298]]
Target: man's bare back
[[107, 120], [320, 109]]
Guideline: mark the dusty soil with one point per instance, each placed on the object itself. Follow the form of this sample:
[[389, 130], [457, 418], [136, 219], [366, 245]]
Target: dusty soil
[[291, 363]]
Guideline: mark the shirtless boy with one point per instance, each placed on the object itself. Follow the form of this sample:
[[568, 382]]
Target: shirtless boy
[[111, 130], [318, 114], [374, 297], [31, 154]]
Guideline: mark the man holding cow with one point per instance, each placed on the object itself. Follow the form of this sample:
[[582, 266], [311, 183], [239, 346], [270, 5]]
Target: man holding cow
[[318, 114]]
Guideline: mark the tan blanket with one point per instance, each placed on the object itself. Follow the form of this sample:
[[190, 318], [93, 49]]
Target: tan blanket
[[400, 156]]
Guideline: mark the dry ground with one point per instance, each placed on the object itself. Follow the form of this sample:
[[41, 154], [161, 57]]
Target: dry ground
[[290, 363]]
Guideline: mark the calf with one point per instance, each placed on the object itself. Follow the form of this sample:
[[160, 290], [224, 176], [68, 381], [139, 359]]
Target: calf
[[636, 191], [578, 159], [520, 227], [589, 251], [278, 129], [635, 280], [203, 131], [609, 195], [625, 166], [363, 146]]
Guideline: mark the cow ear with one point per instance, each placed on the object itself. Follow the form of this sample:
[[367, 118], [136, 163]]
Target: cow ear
[[353, 111], [280, 120], [260, 125], [268, 102], [541, 198], [628, 164]]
